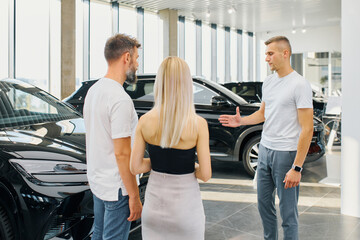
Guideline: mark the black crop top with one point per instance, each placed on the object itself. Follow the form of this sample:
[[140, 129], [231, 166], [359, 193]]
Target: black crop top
[[172, 160]]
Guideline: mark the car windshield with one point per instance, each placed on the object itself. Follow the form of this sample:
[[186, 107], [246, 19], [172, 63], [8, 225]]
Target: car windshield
[[22, 104]]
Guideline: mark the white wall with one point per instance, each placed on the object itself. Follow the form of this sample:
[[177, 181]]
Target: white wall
[[321, 39], [350, 148]]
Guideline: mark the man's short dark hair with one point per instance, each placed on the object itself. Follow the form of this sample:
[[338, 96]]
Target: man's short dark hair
[[119, 44], [280, 39]]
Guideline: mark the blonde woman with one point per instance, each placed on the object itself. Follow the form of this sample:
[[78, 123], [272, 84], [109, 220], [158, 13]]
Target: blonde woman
[[173, 207]]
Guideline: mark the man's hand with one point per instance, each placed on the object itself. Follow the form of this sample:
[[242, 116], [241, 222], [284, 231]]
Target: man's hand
[[292, 179], [135, 208], [231, 120]]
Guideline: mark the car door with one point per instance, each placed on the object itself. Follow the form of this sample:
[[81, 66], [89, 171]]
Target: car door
[[221, 138]]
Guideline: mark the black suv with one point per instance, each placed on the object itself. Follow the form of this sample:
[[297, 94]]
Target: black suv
[[211, 100]]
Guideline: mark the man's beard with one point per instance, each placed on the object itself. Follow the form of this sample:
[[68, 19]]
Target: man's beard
[[131, 77]]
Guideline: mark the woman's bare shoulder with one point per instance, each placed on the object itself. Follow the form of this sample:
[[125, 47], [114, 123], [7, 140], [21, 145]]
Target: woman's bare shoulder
[[201, 121], [149, 116]]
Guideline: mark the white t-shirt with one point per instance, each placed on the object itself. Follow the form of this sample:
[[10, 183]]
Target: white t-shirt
[[282, 97], [109, 114]]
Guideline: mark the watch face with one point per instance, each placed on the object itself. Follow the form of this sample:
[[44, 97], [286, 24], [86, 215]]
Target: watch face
[[297, 168]]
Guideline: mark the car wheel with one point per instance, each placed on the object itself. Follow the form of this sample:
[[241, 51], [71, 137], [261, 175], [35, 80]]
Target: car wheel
[[251, 155], [6, 230]]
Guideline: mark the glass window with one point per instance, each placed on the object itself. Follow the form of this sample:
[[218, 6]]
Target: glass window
[[100, 31], [128, 21], [190, 45], [206, 50], [153, 42], [4, 39], [32, 50], [336, 72], [317, 69], [202, 95], [220, 55], [55, 48], [79, 42]]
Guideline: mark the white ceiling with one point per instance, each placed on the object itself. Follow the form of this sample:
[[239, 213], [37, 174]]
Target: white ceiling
[[253, 15]]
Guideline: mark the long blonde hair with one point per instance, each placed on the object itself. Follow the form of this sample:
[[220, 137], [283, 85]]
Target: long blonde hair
[[173, 92]]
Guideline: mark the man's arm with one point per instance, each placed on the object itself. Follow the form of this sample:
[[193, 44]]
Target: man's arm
[[122, 149], [139, 164], [305, 117], [236, 120]]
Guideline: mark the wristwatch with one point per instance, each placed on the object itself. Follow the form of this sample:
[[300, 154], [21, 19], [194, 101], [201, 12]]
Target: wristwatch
[[297, 168]]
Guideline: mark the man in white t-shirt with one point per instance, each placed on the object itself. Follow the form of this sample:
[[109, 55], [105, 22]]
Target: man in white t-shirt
[[110, 121], [286, 110]]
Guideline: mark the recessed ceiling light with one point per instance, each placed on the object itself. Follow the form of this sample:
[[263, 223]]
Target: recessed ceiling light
[[293, 31], [231, 10], [303, 30]]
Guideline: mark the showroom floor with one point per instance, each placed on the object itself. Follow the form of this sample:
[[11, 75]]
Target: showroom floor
[[231, 210]]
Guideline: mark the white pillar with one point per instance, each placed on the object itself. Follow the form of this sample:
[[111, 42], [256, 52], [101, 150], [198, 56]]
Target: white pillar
[[140, 37], [350, 147], [214, 52], [250, 57], [227, 55], [170, 28], [239, 56], [198, 47]]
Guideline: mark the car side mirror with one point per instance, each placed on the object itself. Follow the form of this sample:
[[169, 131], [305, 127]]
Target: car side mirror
[[219, 101]]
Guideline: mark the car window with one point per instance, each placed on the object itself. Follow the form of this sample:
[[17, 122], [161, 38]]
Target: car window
[[246, 91], [142, 90], [24, 104], [202, 94]]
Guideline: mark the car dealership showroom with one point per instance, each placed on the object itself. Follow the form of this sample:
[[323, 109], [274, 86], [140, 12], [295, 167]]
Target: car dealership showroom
[[52, 53]]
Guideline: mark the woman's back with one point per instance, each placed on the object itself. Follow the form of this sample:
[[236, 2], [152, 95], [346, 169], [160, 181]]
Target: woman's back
[[151, 134]]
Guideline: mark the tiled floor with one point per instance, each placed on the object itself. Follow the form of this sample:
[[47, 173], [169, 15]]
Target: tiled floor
[[231, 210]]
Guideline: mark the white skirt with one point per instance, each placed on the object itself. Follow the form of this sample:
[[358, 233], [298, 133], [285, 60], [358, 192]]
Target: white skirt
[[173, 208]]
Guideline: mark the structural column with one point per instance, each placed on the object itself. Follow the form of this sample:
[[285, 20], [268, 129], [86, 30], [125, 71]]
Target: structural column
[[350, 132], [214, 52], [181, 36], [170, 30], [227, 54], [239, 54], [140, 37], [198, 48], [115, 17], [251, 56], [67, 47]]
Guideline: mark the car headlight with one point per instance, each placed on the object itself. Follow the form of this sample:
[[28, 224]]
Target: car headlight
[[51, 173]]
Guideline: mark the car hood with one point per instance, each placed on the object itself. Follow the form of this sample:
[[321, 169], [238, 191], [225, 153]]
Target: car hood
[[66, 137]]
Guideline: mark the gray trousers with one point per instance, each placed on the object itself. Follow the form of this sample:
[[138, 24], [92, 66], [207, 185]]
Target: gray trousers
[[271, 170]]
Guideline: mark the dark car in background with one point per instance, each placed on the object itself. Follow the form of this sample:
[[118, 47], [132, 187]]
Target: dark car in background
[[252, 92], [44, 191], [211, 100]]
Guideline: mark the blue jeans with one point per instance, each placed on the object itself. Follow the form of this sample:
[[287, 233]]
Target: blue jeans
[[272, 168], [110, 219]]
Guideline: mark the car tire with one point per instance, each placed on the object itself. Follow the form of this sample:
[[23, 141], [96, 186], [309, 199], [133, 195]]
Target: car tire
[[251, 154], [6, 230]]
